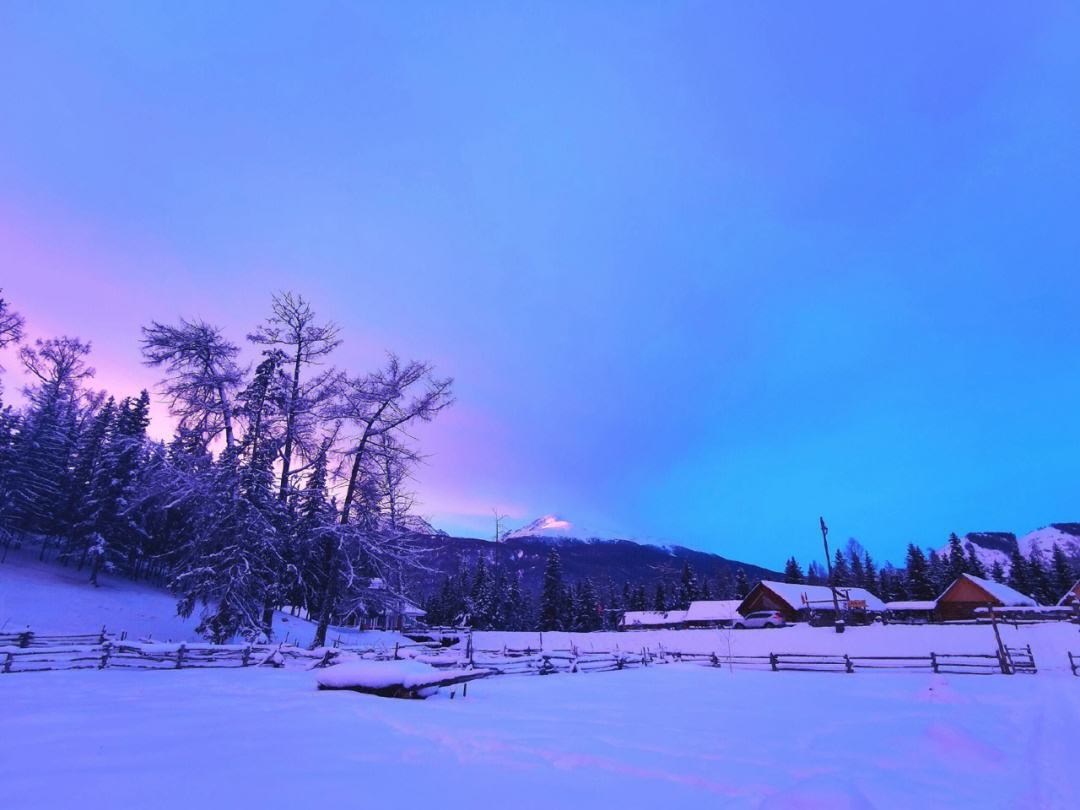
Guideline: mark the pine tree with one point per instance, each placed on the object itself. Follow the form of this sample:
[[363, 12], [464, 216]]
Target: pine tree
[[552, 597], [870, 574], [997, 573], [793, 573], [841, 573], [918, 582], [1061, 574], [975, 566], [742, 584], [1042, 588], [688, 591], [1019, 578], [938, 568], [956, 561], [660, 598]]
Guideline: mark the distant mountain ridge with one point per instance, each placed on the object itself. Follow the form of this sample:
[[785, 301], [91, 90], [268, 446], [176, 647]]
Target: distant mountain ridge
[[583, 553]]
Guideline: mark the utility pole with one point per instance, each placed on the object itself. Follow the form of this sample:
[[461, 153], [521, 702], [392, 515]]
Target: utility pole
[[499, 532], [839, 625]]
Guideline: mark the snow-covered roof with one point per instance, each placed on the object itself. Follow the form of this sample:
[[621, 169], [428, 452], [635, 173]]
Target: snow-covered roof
[[1072, 594], [910, 605], [653, 617], [1005, 595], [719, 611], [820, 596]]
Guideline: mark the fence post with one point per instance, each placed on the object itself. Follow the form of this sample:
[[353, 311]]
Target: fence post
[[1003, 663], [934, 662], [396, 650], [11, 659], [25, 637], [180, 655], [245, 655], [774, 662], [847, 664], [101, 637], [106, 649], [714, 659]]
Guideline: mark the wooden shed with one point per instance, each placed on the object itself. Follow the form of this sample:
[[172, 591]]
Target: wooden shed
[[969, 593]]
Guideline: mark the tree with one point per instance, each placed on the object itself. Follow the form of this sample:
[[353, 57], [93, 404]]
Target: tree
[[870, 573], [815, 574], [1061, 574], [918, 582], [551, 599], [380, 407], [956, 560], [292, 329], [660, 598], [841, 573], [742, 584], [793, 572], [688, 590], [11, 325], [1019, 578], [202, 375], [997, 573], [975, 566]]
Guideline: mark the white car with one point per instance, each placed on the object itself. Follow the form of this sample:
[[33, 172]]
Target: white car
[[761, 618]]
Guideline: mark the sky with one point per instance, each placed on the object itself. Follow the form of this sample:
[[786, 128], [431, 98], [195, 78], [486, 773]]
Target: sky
[[702, 272]]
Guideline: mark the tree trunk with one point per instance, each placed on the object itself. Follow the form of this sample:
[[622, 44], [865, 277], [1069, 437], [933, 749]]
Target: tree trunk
[[290, 419]]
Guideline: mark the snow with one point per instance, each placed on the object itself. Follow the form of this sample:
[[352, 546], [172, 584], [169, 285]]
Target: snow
[[1001, 592], [382, 674], [1046, 538], [820, 596], [910, 605], [674, 736], [719, 611], [554, 526], [143, 610], [645, 618]]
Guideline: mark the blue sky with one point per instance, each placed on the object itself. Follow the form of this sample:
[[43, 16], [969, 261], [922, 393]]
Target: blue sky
[[702, 271]]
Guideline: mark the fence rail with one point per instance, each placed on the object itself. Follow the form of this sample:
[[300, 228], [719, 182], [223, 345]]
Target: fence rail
[[30, 652]]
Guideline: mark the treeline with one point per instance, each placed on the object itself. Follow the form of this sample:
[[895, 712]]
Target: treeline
[[489, 596], [924, 576], [285, 482]]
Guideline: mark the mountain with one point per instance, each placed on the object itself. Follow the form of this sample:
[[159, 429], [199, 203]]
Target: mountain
[[583, 552], [555, 526], [991, 547]]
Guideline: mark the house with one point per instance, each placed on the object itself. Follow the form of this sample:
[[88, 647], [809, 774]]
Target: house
[[713, 614], [968, 593], [379, 608], [652, 619], [1071, 597], [799, 602], [910, 612]]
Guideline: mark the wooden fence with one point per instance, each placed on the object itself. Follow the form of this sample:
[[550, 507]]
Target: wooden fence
[[30, 652]]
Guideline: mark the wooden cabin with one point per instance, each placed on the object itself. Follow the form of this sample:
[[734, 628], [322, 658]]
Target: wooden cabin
[[798, 603], [1071, 597], [969, 593]]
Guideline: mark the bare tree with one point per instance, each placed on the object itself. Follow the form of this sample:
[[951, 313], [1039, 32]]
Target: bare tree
[[383, 404], [202, 375], [291, 328], [58, 365], [379, 407], [11, 324]]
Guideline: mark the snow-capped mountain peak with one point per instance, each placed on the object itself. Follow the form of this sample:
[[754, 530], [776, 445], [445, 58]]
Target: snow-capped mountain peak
[[558, 527]]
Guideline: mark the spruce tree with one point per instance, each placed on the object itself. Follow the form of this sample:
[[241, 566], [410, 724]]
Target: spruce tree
[[918, 582], [841, 573], [793, 572], [742, 584], [551, 599]]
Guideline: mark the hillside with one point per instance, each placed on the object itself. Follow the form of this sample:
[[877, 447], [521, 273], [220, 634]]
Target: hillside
[[997, 547]]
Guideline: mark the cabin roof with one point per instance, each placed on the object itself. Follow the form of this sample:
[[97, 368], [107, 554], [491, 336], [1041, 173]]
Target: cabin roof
[[718, 611], [820, 596]]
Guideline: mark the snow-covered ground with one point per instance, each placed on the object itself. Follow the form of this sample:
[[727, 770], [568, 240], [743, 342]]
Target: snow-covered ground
[[676, 735], [672, 736], [49, 598]]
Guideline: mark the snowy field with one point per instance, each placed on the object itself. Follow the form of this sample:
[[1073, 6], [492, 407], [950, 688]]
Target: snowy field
[[672, 736], [675, 735]]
